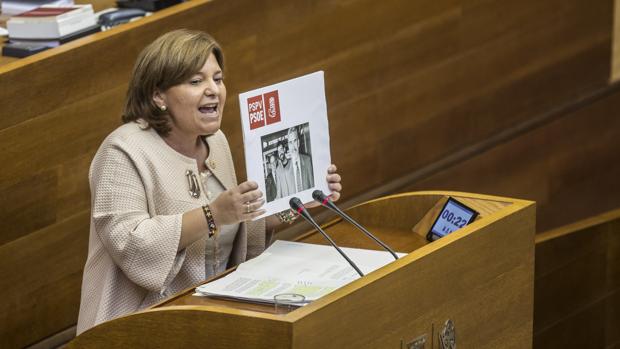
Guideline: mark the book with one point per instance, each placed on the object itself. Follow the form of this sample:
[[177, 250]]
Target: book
[[15, 7], [51, 22], [286, 140], [57, 42]]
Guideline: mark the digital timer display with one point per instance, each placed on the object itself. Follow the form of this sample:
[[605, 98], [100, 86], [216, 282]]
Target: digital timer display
[[453, 216]]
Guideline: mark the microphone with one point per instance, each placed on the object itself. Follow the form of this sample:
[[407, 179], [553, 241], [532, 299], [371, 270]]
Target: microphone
[[324, 200], [298, 206]]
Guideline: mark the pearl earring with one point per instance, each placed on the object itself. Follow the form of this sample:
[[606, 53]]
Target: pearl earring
[[163, 108]]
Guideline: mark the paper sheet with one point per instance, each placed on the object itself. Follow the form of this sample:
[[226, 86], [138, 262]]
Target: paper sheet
[[286, 139], [292, 267]]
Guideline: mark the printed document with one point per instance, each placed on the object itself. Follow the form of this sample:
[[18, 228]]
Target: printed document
[[293, 267]]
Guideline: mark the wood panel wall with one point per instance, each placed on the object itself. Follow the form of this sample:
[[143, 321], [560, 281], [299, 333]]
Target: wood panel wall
[[615, 73], [568, 165], [409, 84], [577, 285]]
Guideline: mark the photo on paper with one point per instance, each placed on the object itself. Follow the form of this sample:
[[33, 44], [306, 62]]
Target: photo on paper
[[286, 140], [287, 162]]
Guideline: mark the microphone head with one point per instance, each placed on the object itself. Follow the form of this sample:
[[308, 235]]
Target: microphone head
[[296, 204], [319, 196]]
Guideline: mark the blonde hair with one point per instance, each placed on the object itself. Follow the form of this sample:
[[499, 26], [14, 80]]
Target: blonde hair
[[168, 61]]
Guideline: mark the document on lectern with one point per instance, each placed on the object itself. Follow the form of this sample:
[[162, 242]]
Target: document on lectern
[[286, 139], [293, 267]]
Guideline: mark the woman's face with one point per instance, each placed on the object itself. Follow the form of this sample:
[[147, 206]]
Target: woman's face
[[197, 105]]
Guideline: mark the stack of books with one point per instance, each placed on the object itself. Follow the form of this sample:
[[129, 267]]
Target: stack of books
[[48, 26]]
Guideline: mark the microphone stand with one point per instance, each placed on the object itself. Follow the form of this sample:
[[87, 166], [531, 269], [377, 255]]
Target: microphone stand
[[298, 206], [324, 200]]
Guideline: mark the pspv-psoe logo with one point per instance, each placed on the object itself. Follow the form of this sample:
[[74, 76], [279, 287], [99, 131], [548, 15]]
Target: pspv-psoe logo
[[272, 103], [264, 109], [256, 112]]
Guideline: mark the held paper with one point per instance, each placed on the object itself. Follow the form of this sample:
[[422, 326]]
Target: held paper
[[286, 140]]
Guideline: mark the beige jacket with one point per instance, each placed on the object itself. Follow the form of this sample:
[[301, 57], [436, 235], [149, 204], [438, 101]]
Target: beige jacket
[[139, 192]]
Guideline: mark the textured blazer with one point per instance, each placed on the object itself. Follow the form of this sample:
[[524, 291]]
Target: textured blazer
[[139, 193]]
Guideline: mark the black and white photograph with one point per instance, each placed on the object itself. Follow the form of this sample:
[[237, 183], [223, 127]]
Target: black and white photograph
[[287, 162]]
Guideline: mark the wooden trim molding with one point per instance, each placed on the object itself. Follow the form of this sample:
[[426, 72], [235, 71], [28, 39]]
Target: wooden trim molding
[[57, 340]]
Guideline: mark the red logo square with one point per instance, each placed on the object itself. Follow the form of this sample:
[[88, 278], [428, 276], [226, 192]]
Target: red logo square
[[272, 107], [256, 112]]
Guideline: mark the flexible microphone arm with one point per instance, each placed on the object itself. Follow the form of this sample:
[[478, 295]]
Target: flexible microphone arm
[[324, 200], [298, 206]]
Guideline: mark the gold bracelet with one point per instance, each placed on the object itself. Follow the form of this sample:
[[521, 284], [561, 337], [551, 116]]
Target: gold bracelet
[[206, 210], [287, 216]]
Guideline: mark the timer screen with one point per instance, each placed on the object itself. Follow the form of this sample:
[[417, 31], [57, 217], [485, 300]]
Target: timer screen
[[453, 216]]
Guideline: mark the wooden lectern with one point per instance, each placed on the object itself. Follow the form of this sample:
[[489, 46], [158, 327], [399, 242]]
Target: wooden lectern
[[480, 277]]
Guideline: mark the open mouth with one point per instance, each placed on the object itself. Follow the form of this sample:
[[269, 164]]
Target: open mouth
[[208, 108]]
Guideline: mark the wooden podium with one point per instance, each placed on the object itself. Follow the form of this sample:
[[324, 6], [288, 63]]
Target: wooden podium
[[480, 277]]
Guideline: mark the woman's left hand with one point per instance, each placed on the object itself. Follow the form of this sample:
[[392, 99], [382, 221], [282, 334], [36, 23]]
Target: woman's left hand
[[333, 183]]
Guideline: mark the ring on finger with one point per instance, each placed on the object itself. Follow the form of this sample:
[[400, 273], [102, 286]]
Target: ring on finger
[[247, 208]]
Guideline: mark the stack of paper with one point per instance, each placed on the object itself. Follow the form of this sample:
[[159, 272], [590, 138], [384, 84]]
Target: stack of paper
[[292, 267]]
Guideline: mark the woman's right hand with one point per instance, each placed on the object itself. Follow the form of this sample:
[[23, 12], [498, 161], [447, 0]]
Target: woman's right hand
[[242, 203]]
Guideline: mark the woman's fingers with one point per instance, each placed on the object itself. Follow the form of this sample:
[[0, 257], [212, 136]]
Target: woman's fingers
[[335, 187], [335, 195], [254, 214], [246, 186], [250, 200], [334, 182], [240, 203], [334, 178], [253, 206], [251, 196]]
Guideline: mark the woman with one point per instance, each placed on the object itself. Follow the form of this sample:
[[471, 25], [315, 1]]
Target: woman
[[167, 212]]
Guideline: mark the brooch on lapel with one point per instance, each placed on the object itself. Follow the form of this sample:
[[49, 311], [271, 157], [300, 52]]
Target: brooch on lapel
[[192, 183]]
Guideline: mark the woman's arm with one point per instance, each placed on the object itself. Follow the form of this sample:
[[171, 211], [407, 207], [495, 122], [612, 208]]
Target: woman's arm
[[143, 247], [230, 207]]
